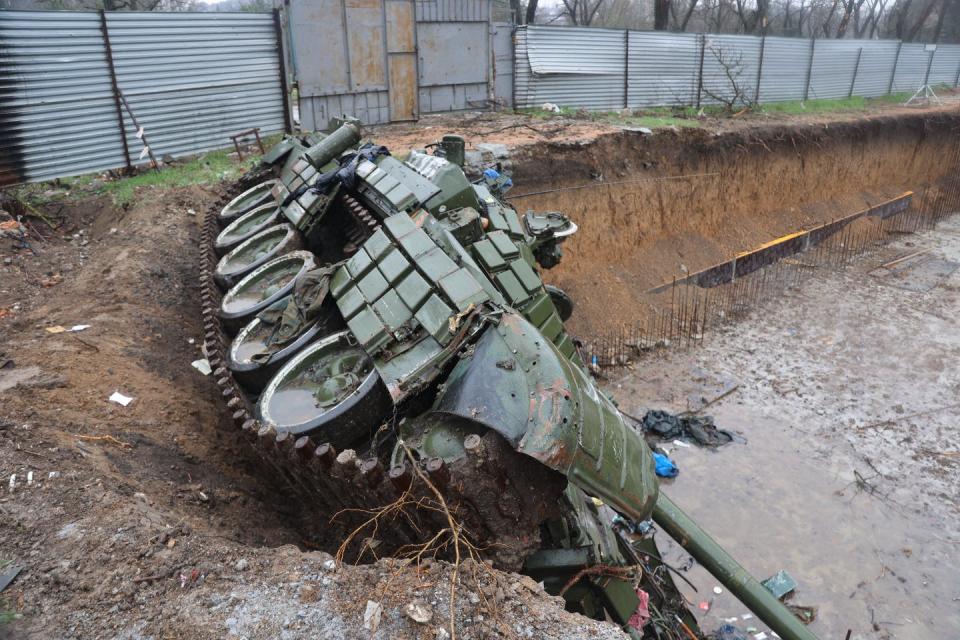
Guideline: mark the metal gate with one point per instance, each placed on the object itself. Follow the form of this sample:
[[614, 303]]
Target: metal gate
[[392, 60]]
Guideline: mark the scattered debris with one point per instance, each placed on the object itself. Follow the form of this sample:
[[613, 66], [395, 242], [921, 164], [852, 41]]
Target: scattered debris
[[202, 365], [419, 611], [108, 439], [780, 584], [371, 616], [549, 106], [120, 399], [9, 575], [700, 429], [59, 329], [665, 467]]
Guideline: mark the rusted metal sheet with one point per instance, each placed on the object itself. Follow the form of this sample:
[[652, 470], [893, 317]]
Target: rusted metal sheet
[[403, 87], [400, 27], [401, 41], [367, 50]]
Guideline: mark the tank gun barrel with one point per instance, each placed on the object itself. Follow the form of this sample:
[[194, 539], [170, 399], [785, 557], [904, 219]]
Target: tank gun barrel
[[728, 571]]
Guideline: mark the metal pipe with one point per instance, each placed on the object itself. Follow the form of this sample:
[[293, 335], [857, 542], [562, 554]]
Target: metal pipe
[[728, 571], [282, 61], [334, 144]]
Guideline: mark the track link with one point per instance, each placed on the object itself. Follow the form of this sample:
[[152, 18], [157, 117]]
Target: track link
[[499, 497]]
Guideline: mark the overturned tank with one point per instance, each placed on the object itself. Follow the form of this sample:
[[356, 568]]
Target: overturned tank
[[381, 335]]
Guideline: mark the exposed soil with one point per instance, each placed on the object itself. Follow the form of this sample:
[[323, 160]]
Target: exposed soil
[[150, 520], [742, 189]]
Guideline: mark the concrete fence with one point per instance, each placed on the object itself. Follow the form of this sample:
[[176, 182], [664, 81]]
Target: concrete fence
[[605, 69]]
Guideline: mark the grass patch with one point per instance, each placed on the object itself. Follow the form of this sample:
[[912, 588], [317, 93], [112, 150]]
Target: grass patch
[[650, 118], [207, 168], [653, 117], [838, 105]]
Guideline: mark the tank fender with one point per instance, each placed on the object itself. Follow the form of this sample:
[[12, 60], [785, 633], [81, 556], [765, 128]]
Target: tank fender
[[519, 385]]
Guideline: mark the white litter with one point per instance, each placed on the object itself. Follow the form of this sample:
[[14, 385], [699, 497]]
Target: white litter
[[53, 474], [731, 620], [371, 617], [681, 443], [144, 153], [79, 327], [191, 212], [13, 482], [120, 399], [549, 106], [202, 365], [29, 477], [760, 636], [717, 590], [747, 616], [140, 132]]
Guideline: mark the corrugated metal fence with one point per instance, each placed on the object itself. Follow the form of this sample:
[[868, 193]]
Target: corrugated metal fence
[[190, 79], [605, 69]]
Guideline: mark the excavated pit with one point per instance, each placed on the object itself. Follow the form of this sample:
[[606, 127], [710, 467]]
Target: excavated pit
[[652, 208]]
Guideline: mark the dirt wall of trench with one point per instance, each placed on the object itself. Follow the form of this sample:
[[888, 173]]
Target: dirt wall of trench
[[640, 225]]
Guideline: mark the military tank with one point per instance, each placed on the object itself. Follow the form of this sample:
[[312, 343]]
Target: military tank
[[381, 335]]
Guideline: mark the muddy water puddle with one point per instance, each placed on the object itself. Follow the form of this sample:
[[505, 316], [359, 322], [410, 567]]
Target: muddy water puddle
[[847, 396]]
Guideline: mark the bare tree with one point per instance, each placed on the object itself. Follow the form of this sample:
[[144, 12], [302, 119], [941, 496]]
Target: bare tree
[[661, 14], [531, 13], [734, 90], [581, 12]]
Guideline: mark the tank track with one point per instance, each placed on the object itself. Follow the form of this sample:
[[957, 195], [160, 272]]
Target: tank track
[[498, 496]]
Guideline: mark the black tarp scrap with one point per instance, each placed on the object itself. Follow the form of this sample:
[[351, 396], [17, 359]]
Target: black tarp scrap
[[700, 429]]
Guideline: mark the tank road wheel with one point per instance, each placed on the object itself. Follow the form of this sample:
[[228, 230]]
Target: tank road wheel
[[252, 197], [254, 374], [263, 287], [247, 225], [255, 251], [330, 389]]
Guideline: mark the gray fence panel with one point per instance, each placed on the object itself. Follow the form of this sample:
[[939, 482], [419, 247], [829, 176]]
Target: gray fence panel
[[371, 108], [911, 67], [730, 64], [451, 51], [834, 62], [57, 113], [194, 79], [453, 10], [191, 80], [663, 68], [522, 75], [576, 67], [876, 68], [502, 37], [946, 65], [784, 73]]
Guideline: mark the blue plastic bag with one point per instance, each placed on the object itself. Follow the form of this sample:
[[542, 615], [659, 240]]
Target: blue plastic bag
[[664, 466]]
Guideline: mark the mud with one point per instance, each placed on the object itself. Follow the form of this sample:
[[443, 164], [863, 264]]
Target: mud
[[848, 478], [645, 225]]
